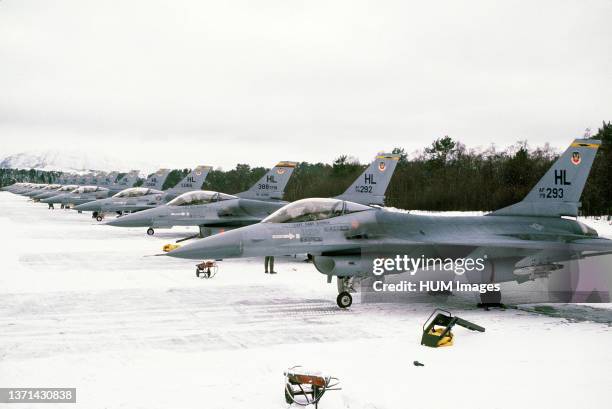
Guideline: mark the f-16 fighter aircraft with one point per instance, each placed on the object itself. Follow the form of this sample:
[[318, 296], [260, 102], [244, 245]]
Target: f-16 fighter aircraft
[[47, 194], [22, 188], [15, 187], [147, 196], [345, 239], [86, 193], [35, 195], [148, 192], [213, 211], [31, 189], [80, 195]]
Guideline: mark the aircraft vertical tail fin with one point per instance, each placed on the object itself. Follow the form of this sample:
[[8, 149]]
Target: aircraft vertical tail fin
[[73, 179], [558, 192], [371, 185], [272, 185], [193, 181], [64, 178], [107, 179], [156, 180], [85, 179], [127, 180]]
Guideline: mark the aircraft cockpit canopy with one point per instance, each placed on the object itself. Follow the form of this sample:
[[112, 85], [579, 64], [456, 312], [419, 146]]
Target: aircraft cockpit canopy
[[309, 210], [89, 189], [199, 197], [138, 191], [51, 187]]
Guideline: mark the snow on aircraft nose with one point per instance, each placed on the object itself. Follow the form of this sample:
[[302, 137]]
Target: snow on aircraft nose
[[219, 246]]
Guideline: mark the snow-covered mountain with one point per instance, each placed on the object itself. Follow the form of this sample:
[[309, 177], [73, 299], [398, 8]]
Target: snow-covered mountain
[[72, 161]]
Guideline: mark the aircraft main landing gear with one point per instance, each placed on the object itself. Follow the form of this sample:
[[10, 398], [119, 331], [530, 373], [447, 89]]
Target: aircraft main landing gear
[[150, 231]]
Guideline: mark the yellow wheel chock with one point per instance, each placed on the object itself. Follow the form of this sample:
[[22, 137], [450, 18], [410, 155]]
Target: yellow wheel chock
[[437, 331]]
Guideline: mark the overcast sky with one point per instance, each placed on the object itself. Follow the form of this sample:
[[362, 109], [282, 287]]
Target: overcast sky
[[223, 82]]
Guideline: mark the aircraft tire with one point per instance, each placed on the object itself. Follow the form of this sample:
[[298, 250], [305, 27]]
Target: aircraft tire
[[344, 300], [150, 231], [99, 218]]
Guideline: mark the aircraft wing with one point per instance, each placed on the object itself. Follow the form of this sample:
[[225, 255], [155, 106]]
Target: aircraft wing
[[398, 246], [503, 241]]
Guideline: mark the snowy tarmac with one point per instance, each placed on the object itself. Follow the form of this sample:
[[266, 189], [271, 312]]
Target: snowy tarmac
[[82, 306]]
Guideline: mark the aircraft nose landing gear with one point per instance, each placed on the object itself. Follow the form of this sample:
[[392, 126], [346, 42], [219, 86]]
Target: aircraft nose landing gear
[[345, 287], [344, 299], [150, 231]]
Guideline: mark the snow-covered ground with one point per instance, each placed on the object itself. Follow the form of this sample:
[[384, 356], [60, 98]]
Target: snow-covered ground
[[82, 306]]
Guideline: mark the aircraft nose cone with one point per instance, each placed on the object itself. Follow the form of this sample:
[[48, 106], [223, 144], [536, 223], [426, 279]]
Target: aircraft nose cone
[[223, 245], [47, 200], [131, 220], [85, 207]]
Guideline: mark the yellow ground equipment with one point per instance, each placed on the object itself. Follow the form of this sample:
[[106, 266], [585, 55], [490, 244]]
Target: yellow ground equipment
[[437, 331]]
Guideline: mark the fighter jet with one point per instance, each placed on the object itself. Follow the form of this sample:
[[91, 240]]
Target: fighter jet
[[36, 195], [344, 239], [80, 195], [15, 187], [213, 210], [22, 188], [75, 198], [32, 188], [148, 196], [52, 193]]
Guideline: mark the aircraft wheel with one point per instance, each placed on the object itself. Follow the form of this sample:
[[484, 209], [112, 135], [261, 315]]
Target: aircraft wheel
[[99, 218], [344, 300], [150, 231]]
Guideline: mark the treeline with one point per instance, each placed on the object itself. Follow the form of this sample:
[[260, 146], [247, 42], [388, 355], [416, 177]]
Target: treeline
[[10, 176], [444, 176]]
